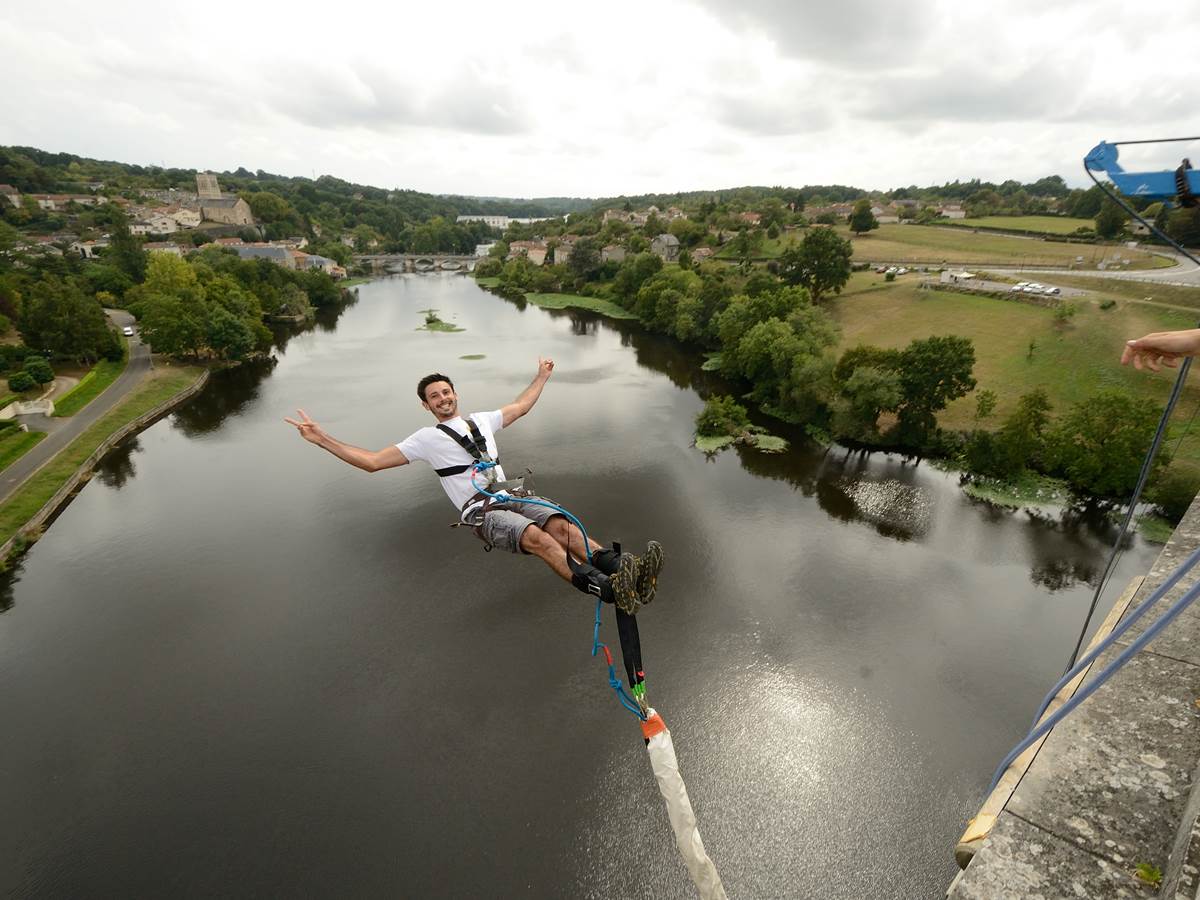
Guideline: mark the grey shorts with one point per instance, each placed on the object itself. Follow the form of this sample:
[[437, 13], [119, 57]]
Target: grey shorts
[[505, 523]]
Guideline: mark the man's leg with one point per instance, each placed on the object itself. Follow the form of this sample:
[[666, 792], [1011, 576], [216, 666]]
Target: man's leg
[[569, 537], [619, 586], [649, 565]]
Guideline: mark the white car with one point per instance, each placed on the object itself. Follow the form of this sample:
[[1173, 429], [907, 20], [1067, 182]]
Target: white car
[[1036, 286], [1051, 290], [1016, 289], [1022, 284], [902, 271], [127, 331]]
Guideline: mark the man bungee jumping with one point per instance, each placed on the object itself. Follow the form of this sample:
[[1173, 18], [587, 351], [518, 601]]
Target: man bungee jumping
[[466, 459]]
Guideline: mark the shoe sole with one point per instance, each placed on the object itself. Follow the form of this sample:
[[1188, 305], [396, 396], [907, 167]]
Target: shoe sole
[[649, 569], [625, 583]]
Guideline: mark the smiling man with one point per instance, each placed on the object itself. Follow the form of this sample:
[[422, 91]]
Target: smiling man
[[524, 524]]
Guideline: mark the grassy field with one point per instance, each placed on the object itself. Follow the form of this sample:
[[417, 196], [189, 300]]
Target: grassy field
[[16, 444], [159, 386], [1070, 362], [90, 386], [928, 246], [1047, 224], [575, 301]]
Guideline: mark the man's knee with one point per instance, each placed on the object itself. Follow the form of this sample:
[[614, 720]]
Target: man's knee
[[534, 539], [557, 527]]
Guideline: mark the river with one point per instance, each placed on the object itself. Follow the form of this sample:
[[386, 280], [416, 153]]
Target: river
[[236, 667]]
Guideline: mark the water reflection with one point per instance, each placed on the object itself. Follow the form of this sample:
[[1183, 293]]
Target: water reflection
[[8, 583], [227, 394], [117, 466]]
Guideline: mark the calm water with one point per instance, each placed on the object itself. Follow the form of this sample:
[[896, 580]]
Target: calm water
[[237, 667]]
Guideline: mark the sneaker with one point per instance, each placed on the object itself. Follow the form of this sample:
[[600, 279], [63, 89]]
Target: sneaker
[[650, 565], [625, 583]]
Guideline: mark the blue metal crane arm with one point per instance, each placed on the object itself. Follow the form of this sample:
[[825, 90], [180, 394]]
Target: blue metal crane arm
[[1103, 158]]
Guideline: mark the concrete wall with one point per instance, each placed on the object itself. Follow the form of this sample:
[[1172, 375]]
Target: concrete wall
[[1111, 787]]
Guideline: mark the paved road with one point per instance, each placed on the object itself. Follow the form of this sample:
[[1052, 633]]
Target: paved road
[[1184, 273], [60, 432]]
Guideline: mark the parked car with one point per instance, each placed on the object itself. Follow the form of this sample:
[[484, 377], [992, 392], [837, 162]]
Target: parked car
[[1022, 284], [902, 271], [127, 331], [1052, 290], [880, 270], [1016, 289]]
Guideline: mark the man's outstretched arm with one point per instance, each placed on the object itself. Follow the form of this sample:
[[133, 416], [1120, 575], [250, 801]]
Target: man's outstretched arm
[[529, 396], [368, 461]]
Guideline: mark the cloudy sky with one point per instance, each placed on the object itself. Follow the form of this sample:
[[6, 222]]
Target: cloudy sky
[[551, 99]]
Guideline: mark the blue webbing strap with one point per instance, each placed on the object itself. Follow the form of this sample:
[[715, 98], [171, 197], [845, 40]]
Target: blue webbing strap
[[1127, 654]]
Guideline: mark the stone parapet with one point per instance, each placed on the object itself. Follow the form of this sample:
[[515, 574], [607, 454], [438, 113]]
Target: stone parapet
[[1110, 790]]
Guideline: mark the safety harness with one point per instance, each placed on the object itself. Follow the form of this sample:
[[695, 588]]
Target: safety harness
[[476, 507]]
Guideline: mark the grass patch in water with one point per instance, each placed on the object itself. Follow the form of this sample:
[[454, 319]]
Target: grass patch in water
[[1029, 489], [712, 362], [576, 301], [434, 323], [767, 443], [474, 356], [487, 280], [1155, 529], [713, 443]]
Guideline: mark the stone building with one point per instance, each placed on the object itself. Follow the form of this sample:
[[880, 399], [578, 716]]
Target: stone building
[[665, 246], [207, 187], [227, 211]]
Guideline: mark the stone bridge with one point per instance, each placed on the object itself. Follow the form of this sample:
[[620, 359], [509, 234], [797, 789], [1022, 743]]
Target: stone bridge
[[417, 262]]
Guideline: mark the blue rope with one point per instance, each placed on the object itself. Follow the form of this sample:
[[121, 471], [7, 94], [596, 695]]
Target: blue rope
[[1091, 655], [613, 681], [1127, 654]]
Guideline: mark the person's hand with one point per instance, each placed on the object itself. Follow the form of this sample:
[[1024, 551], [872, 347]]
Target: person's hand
[[1161, 348], [545, 367], [309, 430]]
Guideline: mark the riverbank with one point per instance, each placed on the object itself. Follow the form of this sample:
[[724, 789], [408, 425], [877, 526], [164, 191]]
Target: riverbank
[[31, 506]]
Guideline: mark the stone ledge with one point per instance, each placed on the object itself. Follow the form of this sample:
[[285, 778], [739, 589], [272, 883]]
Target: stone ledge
[[1110, 786]]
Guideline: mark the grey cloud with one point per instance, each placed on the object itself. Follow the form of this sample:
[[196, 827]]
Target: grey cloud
[[849, 33], [372, 98], [1038, 93], [772, 114]]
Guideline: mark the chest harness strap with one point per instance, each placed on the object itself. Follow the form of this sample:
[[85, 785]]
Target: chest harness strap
[[475, 445]]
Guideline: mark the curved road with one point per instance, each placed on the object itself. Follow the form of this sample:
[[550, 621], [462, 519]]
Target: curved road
[[60, 432], [1184, 273]]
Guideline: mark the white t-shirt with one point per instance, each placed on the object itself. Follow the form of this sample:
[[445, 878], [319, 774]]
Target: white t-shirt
[[437, 448]]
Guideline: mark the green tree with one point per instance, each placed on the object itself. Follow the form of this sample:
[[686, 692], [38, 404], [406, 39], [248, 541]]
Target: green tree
[[59, 317], [1110, 220], [20, 382], [634, 272], [985, 404], [171, 325], [933, 371], [39, 369], [585, 258], [125, 251], [1021, 442], [867, 393], [1100, 444], [820, 263], [721, 416], [862, 219]]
